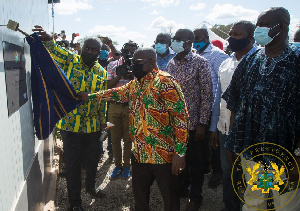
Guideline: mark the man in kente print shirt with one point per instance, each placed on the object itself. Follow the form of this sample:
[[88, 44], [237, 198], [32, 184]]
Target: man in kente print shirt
[[158, 121]]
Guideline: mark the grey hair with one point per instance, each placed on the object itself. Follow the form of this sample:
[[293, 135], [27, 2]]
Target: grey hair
[[147, 50], [94, 39]]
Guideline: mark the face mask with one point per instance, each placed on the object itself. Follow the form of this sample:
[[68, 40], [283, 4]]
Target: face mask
[[137, 70], [199, 45], [261, 35], [177, 46], [103, 54], [88, 58], [238, 44], [296, 44], [160, 48]]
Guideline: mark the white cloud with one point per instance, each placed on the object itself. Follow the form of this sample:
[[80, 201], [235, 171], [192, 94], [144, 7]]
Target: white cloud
[[198, 6], [154, 12], [228, 11], [162, 3], [77, 19], [165, 25], [119, 34], [69, 7]]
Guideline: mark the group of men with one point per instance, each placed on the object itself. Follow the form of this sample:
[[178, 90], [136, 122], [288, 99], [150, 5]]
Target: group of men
[[171, 117]]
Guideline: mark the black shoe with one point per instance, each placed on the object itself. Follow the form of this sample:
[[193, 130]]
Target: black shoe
[[207, 171], [96, 193], [215, 181], [193, 205], [79, 208]]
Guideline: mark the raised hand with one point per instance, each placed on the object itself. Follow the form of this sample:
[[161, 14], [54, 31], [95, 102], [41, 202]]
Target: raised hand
[[44, 35]]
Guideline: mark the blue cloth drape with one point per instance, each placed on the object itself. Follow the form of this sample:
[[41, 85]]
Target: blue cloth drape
[[53, 95]]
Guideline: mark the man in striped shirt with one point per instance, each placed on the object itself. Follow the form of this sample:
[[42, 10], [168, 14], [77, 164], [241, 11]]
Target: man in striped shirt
[[215, 57]]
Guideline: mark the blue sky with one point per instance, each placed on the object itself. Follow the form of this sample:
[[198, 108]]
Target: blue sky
[[142, 20]]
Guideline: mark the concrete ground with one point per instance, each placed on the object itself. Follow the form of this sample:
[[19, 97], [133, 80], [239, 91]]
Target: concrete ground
[[119, 194]]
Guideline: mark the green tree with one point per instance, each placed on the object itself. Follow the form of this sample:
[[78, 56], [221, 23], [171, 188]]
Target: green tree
[[222, 30]]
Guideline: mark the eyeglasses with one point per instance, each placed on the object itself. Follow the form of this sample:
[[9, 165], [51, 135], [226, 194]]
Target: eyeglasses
[[138, 61], [178, 39]]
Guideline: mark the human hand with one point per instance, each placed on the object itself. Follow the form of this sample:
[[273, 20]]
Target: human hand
[[231, 156], [213, 140], [178, 164], [44, 35], [84, 96], [102, 127], [200, 132], [107, 41], [294, 171]]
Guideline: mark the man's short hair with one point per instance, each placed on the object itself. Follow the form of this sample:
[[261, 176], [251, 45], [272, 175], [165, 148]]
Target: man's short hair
[[249, 26], [129, 43], [202, 29], [94, 39], [191, 35], [164, 34], [147, 50], [297, 36], [282, 14]]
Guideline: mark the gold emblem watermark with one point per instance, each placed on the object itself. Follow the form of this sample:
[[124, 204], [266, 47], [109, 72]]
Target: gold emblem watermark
[[267, 170]]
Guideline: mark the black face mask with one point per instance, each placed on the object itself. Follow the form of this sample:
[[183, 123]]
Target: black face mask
[[238, 44], [137, 70], [88, 58]]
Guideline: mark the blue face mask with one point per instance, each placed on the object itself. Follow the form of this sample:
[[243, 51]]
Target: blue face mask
[[296, 44], [261, 35], [103, 54], [199, 45], [160, 48]]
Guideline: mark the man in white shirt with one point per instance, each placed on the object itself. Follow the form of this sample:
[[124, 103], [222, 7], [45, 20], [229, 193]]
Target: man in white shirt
[[241, 42]]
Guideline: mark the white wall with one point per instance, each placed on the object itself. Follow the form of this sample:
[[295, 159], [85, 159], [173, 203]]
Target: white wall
[[18, 146]]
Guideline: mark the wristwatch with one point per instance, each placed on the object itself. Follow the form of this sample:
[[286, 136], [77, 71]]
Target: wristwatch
[[297, 152]]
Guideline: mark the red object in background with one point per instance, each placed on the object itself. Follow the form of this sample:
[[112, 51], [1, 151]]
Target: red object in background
[[217, 43], [77, 34]]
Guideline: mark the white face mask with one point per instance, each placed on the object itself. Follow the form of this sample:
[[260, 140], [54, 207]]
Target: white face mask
[[177, 46]]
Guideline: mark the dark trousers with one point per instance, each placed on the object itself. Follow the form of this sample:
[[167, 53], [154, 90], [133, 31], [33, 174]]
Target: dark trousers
[[192, 176], [231, 200], [80, 147], [143, 176], [210, 156]]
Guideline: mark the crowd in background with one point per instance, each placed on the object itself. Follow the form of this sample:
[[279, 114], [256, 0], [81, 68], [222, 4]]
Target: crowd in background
[[184, 108]]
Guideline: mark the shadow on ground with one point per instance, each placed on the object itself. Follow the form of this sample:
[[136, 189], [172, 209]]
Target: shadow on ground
[[119, 196]]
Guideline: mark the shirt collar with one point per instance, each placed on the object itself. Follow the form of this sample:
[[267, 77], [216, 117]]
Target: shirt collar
[[150, 76], [189, 56], [171, 53], [254, 48], [208, 49]]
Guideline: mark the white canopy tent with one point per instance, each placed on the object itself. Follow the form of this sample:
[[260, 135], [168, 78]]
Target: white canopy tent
[[212, 35]]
